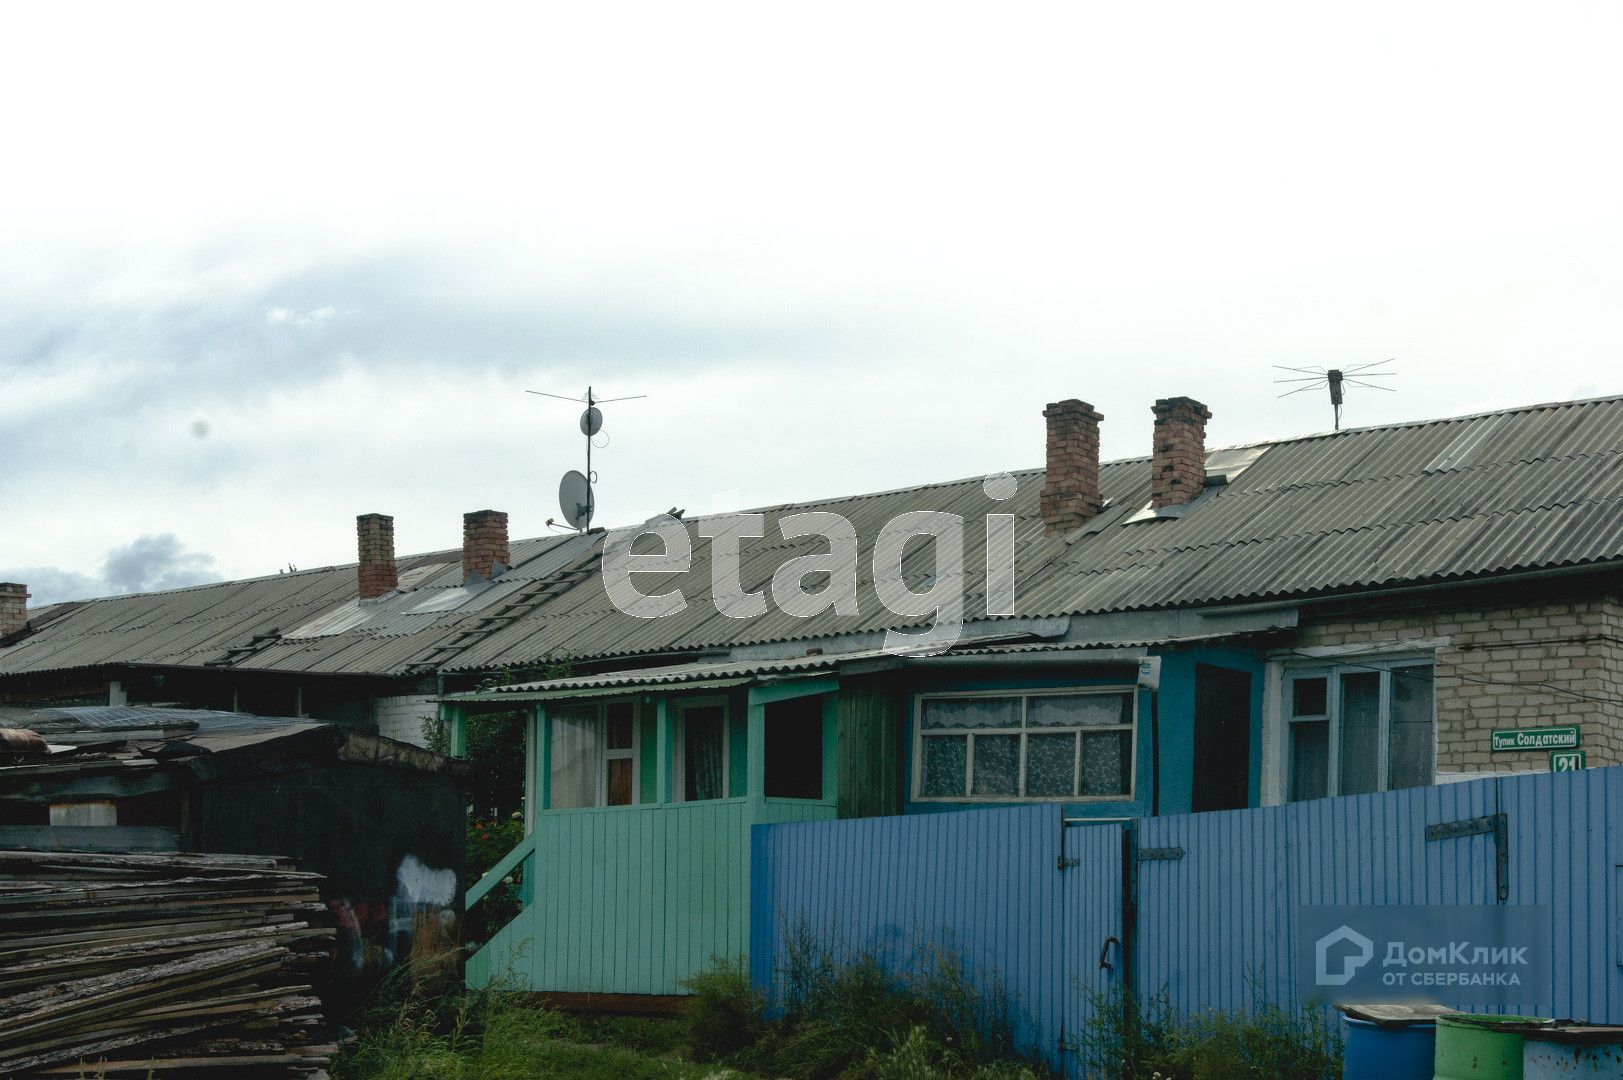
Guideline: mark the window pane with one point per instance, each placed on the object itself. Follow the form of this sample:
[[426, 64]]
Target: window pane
[[945, 757], [1106, 761], [620, 782], [1411, 762], [703, 742], [1310, 759], [620, 726], [997, 765], [84, 812], [979, 712], [1078, 710], [574, 758], [1310, 697], [1360, 732], [1050, 765]]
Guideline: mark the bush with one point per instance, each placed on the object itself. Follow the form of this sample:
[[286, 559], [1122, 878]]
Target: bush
[[723, 1015], [1149, 1039], [857, 1019], [918, 1057], [486, 844], [856, 1022], [418, 1023]]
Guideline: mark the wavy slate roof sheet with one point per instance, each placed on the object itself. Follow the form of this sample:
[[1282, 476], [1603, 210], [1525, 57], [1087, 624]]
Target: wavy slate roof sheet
[[1531, 488]]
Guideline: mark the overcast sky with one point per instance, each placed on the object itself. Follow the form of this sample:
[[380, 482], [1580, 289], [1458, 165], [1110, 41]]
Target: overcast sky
[[264, 270]]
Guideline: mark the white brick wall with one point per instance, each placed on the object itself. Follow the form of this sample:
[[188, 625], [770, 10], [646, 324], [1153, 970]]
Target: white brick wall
[[1558, 661], [401, 718]]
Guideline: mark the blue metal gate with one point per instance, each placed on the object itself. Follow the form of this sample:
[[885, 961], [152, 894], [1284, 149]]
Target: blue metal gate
[[1207, 908], [1091, 930]]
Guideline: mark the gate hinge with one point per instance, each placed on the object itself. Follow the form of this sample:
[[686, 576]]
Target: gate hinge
[[1158, 854], [1448, 830], [1066, 863], [1495, 825]]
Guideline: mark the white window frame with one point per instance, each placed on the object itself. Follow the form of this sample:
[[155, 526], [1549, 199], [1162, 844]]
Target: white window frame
[[631, 753], [1331, 669], [679, 745], [600, 765], [1025, 697]]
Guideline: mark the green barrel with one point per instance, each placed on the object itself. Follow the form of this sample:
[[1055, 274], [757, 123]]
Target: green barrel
[[1480, 1047]]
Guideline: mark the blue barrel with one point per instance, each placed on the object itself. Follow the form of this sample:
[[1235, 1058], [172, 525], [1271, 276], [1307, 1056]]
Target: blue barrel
[[1573, 1055], [1374, 1052]]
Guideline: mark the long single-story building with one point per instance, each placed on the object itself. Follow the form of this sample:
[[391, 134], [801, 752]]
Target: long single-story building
[[1192, 630]]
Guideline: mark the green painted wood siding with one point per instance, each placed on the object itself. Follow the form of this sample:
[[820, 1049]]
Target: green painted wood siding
[[628, 900], [777, 811], [870, 759], [648, 784]]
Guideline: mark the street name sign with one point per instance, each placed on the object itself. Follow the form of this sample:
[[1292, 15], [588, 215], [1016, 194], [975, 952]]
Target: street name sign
[[1547, 738]]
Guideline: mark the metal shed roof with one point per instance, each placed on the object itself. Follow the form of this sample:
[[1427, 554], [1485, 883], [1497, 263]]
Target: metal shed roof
[[91, 737], [1534, 488], [709, 674]]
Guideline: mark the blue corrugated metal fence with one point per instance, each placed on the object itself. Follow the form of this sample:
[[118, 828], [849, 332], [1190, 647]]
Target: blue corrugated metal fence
[[1033, 905]]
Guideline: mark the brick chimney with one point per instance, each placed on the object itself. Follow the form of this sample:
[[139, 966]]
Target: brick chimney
[[13, 608], [374, 537], [484, 544], [1178, 462], [1071, 487]]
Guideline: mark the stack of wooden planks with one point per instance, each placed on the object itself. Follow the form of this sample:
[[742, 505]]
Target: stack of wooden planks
[[192, 965]]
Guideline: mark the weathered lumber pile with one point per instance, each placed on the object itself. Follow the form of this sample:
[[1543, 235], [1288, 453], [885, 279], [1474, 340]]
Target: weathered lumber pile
[[195, 965]]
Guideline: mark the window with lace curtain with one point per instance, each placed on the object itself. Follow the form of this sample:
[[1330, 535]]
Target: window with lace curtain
[[594, 755], [1044, 745], [701, 766]]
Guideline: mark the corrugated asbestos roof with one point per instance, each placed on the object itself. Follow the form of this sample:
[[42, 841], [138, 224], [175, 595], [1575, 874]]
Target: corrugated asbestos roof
[[730, 671], [1533, 488]]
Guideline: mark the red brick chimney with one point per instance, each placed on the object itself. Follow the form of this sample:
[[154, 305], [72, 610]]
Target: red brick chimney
[[484, 544], [1071, 487], [1178, 463], [374, 537], [13, 608]]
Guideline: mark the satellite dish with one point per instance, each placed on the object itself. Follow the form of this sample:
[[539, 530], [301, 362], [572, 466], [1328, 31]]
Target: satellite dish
[[575, 499], [591, 421]]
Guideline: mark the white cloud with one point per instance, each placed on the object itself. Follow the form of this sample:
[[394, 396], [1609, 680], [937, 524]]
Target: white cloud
[[145, 564], [842, 253]]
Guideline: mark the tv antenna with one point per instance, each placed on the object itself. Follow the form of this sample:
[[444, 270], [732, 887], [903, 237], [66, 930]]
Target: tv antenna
[[577, 496], [1337, 379]]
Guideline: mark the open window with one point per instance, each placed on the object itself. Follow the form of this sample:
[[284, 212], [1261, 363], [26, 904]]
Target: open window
[[1361, 726], [794, 748], [702, 770], [594, 755]]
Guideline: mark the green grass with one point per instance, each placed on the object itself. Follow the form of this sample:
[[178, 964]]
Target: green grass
[[499, 1037], [1148, 1039], [850, 1020], [853, 1019]]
